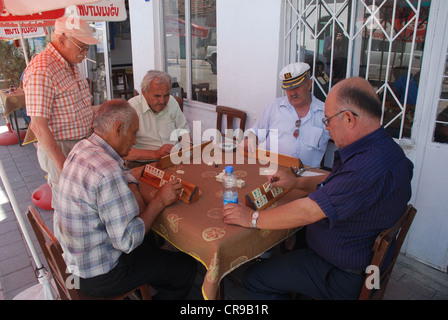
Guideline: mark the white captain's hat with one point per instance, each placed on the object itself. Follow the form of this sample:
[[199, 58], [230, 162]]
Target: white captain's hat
[[293, 75]]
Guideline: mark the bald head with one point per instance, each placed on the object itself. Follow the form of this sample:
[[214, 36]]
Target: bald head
[[353, 111], [358, 95]]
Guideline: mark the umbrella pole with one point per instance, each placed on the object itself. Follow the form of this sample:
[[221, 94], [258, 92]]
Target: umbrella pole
[[22, 43], [43, 275]]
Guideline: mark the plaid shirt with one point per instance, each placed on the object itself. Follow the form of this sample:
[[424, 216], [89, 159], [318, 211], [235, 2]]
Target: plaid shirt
[[95, 219], [55, 91]]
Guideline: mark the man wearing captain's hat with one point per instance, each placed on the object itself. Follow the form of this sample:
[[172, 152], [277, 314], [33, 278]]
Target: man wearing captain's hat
[[297, 117]]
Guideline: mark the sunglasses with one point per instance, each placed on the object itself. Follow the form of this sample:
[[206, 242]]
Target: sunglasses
[[296, 131], [81, 49]]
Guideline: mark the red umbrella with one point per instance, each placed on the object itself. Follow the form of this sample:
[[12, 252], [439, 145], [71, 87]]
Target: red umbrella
[[43, 13], [27, 7]]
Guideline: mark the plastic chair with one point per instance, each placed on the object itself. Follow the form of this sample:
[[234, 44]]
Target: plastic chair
[[53, 253], [380, 249], [230, 113]]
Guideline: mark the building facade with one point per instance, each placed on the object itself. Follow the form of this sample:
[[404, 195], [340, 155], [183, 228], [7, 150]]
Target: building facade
[[233, 51]]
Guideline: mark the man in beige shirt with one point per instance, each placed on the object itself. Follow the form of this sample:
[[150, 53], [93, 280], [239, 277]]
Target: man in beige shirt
[[162, 123]]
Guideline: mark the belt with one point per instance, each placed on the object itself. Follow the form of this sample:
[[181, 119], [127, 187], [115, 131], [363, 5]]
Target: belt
[[357, 272]]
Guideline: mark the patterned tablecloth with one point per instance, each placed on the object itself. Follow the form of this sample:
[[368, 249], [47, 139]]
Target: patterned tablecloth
[[198, 228], [12, 101]]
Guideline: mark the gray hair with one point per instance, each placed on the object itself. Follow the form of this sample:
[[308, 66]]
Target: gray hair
[[157, 76], [112, 111]]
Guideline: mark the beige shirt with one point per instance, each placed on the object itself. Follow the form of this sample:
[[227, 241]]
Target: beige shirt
[[157, 129]]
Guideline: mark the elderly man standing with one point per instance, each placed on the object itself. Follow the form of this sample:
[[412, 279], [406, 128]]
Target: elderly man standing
[[57, 97], [162, 123], [101, 219], [366, 192], [297, 117]]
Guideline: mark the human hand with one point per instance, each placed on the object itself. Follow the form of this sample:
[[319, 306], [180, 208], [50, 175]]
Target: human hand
[[249, 144], [282, 179], [169, 193], [164, 150], [237, 214]]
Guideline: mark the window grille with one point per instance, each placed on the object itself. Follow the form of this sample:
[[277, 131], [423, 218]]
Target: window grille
[[381, 41]]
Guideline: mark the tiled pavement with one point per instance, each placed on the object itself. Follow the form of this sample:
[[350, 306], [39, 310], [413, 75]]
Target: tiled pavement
[[411, 280]]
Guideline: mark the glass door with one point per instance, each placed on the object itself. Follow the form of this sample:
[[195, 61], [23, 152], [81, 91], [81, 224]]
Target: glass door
[[98, 74]]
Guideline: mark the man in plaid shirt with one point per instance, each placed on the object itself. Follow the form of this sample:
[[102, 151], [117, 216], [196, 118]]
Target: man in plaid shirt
[[57, 97], [101, 219]]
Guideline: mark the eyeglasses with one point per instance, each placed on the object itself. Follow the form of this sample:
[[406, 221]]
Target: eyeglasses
[[81, 49], [296, 132], [327, 120]]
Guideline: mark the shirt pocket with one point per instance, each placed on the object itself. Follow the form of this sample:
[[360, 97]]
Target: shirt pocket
[[68, 91], [166, 128], [311, 136]]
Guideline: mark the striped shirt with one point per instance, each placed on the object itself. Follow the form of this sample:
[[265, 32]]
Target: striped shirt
[[366, 192], [55, 91], [95, 218]]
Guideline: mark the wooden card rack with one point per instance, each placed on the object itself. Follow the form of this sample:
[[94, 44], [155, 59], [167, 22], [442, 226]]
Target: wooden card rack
[[262, 197], [165, 162], [266, 155], [157, 178]]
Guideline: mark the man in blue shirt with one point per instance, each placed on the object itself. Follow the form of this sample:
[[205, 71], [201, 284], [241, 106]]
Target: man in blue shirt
[[296, 119], [366, 192]]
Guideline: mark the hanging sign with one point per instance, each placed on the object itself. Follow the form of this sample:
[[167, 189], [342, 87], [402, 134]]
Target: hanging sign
[[105, 10], [28, 32]]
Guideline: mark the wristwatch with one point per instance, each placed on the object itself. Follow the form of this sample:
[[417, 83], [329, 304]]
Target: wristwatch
[[255, 216]]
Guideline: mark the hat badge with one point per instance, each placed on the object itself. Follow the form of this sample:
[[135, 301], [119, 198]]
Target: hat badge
[[288, 75]]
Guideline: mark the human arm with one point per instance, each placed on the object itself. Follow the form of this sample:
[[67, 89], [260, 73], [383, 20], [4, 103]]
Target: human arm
[[164, 197], [39, 125], [249, 143], [297, 213], [144, 154], [285, 180]]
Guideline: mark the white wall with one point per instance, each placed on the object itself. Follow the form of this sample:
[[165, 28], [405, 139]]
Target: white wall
[[141, 14], [248, 37]]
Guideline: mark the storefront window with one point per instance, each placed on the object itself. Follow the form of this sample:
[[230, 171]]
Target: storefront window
[[382, 41], [197, 67]]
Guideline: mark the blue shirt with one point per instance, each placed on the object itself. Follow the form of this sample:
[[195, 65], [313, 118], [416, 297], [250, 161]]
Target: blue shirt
[[280, 115], [95, 218], [367, 191]]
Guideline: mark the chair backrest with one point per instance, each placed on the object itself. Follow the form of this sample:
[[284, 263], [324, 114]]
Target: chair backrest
[[230, 113], [180, 101], [53, 254], [380, 249]]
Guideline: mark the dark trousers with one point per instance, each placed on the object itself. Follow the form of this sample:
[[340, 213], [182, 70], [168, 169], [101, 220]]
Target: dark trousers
[[171, 273], [301, 271]]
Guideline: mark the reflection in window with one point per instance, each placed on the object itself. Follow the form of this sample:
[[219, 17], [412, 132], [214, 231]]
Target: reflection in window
[[441, 128], [381, 41], [203, 61]]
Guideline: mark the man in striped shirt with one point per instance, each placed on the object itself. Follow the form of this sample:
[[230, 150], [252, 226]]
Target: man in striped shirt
[[57, 97], [366, 192]]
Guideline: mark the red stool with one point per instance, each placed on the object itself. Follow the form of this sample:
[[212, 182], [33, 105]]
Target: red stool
[[42, 197], [10, 137]]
